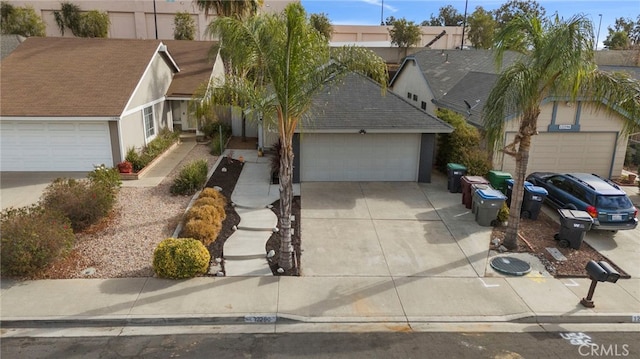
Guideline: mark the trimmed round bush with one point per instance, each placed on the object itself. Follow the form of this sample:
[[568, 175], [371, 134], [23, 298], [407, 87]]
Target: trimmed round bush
[[206, 213], [32, 238], [205, 232], [179, 258], [212, 193], [208, 201]]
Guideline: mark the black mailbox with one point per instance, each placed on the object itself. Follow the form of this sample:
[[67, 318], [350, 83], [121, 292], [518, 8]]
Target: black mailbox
[[613, 275], [596, 272]]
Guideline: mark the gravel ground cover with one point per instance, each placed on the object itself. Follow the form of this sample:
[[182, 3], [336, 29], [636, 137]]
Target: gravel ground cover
[[122, 245]]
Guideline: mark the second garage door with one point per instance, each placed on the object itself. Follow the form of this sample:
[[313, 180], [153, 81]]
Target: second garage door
[[355, 157], [54, 146], [590, 152]]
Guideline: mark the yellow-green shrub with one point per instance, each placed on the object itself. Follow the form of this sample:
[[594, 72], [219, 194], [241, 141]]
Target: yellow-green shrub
[[179, 258], [208, 201], [205, 232], [212, 193], [206, 213]]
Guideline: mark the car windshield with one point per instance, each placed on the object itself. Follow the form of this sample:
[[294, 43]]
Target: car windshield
[[613, 202]]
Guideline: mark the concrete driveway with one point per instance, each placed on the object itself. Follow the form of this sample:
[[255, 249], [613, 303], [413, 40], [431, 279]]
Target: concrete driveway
[[19, 189], [394, 229]]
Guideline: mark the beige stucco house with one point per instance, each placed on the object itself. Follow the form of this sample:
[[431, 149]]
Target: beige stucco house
[[135, 19], [71, 103], [572, 136]]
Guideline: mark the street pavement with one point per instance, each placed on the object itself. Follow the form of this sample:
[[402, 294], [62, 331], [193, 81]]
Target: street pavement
[[403, 255]]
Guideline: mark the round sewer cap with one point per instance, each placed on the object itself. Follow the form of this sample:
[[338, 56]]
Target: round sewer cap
[[510, 265]]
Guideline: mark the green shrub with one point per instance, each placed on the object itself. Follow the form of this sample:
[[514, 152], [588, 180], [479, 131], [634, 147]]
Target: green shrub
[[82, 202], [32, 238], [503, 214], [477, 163], [108, 177], [179, 258], [204, 231], [215, 145], [153, 149], [192, 177]]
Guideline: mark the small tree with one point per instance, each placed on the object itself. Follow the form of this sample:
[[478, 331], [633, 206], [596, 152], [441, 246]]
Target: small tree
[[447, 16], [184, 26], [624, 35], [405, 34], [482, 28], [93, 23], [321, 23], [21, 21]]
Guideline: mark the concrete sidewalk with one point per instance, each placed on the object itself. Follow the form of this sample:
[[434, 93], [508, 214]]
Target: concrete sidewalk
[[402, 302]]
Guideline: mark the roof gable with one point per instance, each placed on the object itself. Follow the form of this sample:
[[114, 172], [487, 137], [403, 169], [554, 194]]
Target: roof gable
[[196, 60], [73, 76], [356, 102]]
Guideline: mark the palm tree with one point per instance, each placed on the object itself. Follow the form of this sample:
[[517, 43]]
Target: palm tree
[[557, 61], [280, 62], [225, 8]]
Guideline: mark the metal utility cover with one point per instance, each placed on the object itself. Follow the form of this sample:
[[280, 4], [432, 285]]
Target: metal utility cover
[[510, 265]]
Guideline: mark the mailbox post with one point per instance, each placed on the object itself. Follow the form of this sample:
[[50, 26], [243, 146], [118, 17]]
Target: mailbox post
[[598, 272]]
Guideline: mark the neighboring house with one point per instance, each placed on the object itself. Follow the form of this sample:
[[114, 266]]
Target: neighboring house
[[70, 103], [136, 19], [354, 132], [572, 136]]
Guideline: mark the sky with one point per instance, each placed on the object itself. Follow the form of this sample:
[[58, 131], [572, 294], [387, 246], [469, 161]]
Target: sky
[[368, 12]]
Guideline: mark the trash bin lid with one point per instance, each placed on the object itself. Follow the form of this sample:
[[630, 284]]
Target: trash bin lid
[[575, 215], [474, 179], [499, 174], [536, 190], [510, 265], [490, 193], [456, 166]]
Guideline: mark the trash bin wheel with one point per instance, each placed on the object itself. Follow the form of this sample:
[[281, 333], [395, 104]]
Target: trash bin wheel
[[556, 236], [563, 243], [525, 214]]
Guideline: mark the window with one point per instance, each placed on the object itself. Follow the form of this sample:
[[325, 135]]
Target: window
[[149, 126], [415, 97], [409, 95], [423, 105]]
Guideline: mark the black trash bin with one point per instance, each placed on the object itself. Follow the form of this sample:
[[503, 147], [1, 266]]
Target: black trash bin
[[454, 177], [573, 225], [534, 196], [510, 182]]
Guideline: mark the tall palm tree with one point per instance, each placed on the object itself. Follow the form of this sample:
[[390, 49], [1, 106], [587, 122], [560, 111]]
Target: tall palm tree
[[281, 63], [557, 61], [225, 8]]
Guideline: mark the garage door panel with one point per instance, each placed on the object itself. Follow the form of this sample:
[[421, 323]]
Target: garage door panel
[[568, 152], [354, 157], [54, 146]]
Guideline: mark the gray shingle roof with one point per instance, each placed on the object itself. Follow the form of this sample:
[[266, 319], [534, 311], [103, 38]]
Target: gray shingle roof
[[356, 102], [443, 69], [632, 71], [474, 88]]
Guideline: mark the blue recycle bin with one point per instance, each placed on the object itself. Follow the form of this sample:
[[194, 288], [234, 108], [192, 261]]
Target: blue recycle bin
[[510, 182], [534, 196]]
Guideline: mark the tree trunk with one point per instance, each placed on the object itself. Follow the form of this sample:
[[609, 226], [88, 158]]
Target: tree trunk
[[286, 197], [527, 129]]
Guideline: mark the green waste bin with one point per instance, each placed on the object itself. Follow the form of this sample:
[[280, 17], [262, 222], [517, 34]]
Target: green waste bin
[[488, 203], [454, 177], [498, 180]]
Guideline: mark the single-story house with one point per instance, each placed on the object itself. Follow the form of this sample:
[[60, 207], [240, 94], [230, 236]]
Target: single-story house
[[572, 136], [71, 103], [355, 132]]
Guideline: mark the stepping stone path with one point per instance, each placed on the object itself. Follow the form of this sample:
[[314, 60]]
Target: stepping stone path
[[244, 250]]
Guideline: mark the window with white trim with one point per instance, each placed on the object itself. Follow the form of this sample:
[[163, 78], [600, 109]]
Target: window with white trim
[[149, 123]]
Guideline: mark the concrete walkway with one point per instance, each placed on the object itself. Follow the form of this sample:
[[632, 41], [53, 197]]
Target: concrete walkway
[[244, 251], [397, 302]]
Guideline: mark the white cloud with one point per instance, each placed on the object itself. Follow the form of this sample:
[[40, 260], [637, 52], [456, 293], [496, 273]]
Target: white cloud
[[379, 3]]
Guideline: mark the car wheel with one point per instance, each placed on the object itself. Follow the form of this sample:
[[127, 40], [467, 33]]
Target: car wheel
[[570, 206]]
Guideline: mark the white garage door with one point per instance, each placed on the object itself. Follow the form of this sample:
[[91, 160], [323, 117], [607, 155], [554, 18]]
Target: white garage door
[[590, 152], [354, 157], [54, 146]]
